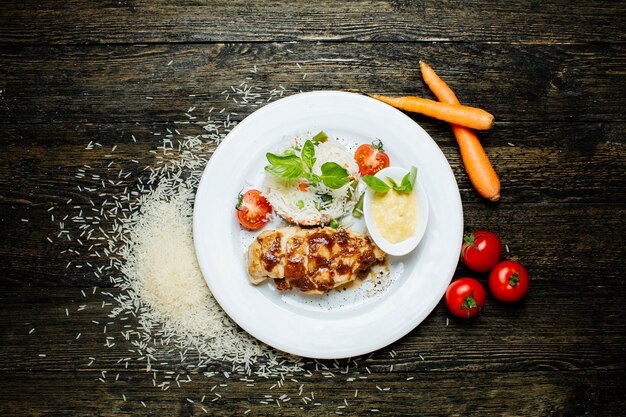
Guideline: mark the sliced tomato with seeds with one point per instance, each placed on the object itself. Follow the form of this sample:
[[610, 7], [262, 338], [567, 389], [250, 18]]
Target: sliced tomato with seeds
[[253, 210], [371, 158]]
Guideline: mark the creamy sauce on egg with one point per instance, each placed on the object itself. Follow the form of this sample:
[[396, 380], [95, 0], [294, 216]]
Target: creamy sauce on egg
[[395, 215]]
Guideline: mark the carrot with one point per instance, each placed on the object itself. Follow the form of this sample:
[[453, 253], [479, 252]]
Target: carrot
[[452, 113], [479, 169]]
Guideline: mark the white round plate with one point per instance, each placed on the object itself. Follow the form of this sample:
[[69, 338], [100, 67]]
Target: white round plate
[[340, 324]]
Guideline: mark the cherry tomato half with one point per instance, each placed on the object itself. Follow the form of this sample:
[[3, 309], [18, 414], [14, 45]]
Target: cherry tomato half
[[465, 297], [371, 158], [253, 210], [508, 281], [481, 250]]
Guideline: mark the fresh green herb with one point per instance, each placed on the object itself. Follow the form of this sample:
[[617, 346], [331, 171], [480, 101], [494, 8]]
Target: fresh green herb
[[312, 178], [408, 181], [325, 198], [380, 186], [376, 184], [308, 154], [334, 175], [288, 167], [357, 211], [300, 204], [289, 152], [291, 166], [334, 224], [319, 138], [351, 191]]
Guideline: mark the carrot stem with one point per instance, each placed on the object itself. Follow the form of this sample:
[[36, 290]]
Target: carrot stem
[[453, 113], [477, 165]]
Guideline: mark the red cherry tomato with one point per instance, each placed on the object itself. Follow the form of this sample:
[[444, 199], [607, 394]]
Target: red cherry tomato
[[253, 210], [481, 250], [371, 158], [465, 297], [508, 281]]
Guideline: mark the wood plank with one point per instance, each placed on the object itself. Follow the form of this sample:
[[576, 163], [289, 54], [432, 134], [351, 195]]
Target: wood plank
[[551, 72], [135, 83], [546, 179], [550, 162], [555, 242], [428, 394], [34, 22], [547, 331]]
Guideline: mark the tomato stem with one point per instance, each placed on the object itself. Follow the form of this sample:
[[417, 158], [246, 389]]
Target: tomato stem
[[469, 302], [239, 201], [378, 145], [469, 239], [514, 279]]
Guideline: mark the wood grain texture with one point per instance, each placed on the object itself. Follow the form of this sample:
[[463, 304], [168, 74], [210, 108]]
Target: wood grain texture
[[541, 393], [555, 242], [141, 21], [552, 72], [135, 83], [547, 177], [554, 335], [574, 162]]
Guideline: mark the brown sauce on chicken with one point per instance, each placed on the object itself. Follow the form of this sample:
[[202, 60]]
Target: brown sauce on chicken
[[271, 255], [311, 260]]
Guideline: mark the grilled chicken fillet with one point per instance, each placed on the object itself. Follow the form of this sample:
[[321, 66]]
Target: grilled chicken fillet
[[311, 260]]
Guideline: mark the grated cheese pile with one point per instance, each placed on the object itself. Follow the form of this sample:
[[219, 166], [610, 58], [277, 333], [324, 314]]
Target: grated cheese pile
[[305, 207]]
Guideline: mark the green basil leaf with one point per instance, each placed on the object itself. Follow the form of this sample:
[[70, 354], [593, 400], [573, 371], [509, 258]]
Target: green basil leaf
[[285, 172], [308, 154], [319, 138], [408, 181], [288, 167], [376, 184], [357, 211], [334, 175], [394, 185], [282, 159], [313, 179]]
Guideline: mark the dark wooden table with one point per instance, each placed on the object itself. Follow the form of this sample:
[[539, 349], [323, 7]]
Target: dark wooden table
[[553, 73]]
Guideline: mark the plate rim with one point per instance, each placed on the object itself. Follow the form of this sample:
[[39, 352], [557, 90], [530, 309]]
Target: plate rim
[[382, 341]]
